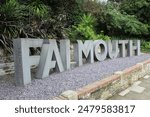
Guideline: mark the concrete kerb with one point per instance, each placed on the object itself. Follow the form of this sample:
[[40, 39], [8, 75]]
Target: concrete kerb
[[103, 89]]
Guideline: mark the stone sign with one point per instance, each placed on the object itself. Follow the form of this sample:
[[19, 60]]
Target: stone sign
[[57, 56]]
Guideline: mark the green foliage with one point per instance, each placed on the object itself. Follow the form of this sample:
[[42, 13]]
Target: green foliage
[[93, 7], [37, 8], [22, 20], [70, 9], [126, 23], [114, 20], [145, 46], [51, 19], [86, 29], [36, 19], [139, 8], [98, 11], [12, 17]]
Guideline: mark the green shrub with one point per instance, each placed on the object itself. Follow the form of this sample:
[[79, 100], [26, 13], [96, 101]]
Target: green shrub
[[12, 17], [139, 8], [93, 8], [23, 20], [38, 8], [145, 44], [117, 22], [97, 10], [85, 30], [71, 10], [125, 23]]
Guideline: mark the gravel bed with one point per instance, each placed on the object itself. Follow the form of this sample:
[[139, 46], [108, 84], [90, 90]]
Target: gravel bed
[[48, 88]]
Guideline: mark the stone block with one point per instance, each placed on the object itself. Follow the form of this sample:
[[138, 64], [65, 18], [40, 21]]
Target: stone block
[[123, 93], [146, 77], [70, 95], [105, 95], [137, 89]]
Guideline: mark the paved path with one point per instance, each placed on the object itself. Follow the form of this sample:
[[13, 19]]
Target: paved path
[[139, 91]]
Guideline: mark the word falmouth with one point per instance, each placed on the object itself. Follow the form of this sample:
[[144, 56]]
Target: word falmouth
[[56, 56]]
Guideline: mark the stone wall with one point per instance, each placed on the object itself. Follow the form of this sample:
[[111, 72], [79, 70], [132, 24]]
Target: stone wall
[[6, 65], [106, 88]]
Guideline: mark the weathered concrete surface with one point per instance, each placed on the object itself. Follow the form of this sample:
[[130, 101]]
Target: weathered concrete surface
[[85, 48], [46, 63], [100, 54], [113, 50], [23, 61], [133, 95]]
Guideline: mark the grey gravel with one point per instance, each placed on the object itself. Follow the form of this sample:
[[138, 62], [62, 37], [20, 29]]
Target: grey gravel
[[48, 88]]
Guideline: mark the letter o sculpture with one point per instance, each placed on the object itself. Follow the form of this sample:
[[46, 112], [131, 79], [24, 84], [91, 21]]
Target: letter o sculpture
[[100, 56]]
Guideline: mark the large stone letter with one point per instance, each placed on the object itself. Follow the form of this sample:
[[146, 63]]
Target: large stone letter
[[113, 49], [65, 53], [23, 61], [134, 47], [86, 49], [49, 52], [122, 45], [100, 49]]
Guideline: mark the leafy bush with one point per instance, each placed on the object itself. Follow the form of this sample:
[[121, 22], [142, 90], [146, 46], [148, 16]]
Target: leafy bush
[[145, 44], [125, 23], [115, 21], [11, 22], [63, 14], [93, 7], [139, 8], [70, 9], [97, 10], [85, 30], [37, 20], [25, 19], [38, 8]]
